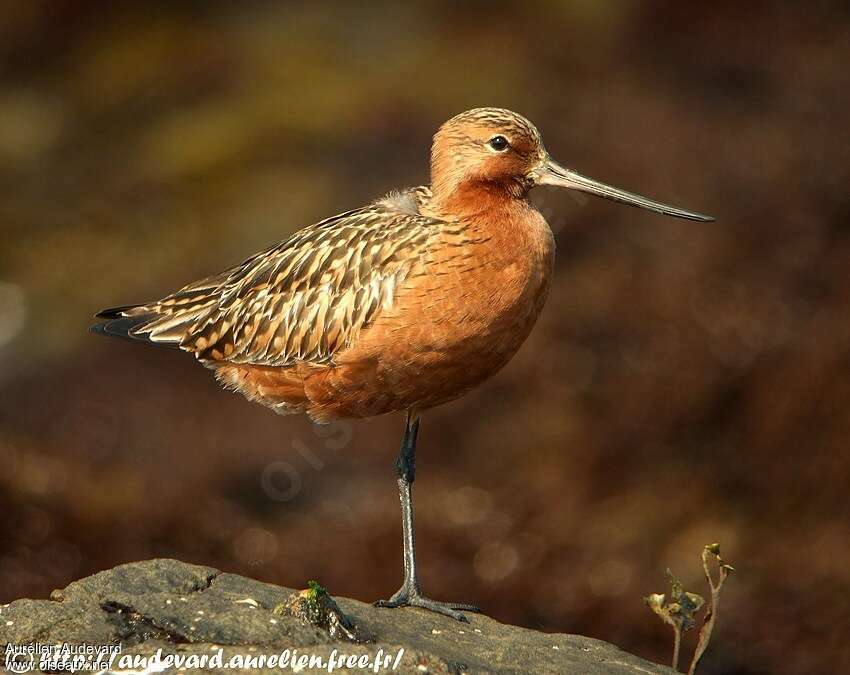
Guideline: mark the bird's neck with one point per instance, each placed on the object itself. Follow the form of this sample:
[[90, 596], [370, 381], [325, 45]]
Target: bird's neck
[[505, 226], [479, 199]]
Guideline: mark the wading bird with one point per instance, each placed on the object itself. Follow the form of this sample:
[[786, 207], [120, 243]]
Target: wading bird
[[401, 305]]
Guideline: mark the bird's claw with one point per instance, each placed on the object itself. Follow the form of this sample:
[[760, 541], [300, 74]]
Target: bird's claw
[[450, 609]]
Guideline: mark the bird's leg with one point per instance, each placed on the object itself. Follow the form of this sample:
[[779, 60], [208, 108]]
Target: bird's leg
[[410, 594]]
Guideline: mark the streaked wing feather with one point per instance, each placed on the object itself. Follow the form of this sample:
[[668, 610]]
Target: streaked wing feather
[[300, 301]]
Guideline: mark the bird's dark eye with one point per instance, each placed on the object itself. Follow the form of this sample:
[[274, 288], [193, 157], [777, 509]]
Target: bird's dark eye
[[498, 143]]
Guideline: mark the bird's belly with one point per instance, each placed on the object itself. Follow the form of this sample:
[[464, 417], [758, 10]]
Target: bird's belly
[[444, 334]]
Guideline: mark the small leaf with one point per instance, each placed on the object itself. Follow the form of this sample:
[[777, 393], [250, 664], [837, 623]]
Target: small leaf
[[675, 585], [316, 589], [692, 602], [655, 602]]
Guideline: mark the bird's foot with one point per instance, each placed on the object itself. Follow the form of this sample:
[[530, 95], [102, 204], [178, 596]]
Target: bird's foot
[[413, 598]]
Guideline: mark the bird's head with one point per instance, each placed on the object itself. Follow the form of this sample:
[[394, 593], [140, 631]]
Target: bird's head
[[501, 153]]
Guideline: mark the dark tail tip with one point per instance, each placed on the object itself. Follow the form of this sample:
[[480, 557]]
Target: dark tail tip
[[120, 326]]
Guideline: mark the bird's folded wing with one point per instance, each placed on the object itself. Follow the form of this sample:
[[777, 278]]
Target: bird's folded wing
[[301, 301]]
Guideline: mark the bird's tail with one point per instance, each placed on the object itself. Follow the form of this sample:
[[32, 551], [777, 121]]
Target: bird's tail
[[164, 323], [128, 323], [144, 323]]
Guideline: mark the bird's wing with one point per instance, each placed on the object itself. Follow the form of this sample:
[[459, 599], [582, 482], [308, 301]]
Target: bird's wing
[[300, 301]]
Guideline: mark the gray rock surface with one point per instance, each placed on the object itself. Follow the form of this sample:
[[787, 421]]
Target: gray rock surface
[[187, 609]]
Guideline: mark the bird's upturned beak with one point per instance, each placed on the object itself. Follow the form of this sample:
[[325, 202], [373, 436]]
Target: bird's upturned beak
[[552, 173]]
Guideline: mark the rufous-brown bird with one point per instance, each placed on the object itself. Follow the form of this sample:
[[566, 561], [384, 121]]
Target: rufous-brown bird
[[400, 305]]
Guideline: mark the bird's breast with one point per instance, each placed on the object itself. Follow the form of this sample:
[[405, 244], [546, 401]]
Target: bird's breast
[[488, 284], [461, 313]]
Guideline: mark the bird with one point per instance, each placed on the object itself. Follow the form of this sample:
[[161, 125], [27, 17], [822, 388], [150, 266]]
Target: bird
[[396, 307]]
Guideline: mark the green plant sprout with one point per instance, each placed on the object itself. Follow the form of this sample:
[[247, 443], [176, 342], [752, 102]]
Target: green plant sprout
[[315, 606]]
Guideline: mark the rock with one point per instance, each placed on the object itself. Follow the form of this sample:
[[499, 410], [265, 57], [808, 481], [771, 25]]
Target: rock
[[189, 610]]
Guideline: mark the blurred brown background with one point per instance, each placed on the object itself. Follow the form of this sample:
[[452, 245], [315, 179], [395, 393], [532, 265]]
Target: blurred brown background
[[687, 382]]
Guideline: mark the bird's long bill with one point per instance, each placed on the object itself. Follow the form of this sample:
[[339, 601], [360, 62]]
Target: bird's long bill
[[555, 174]]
